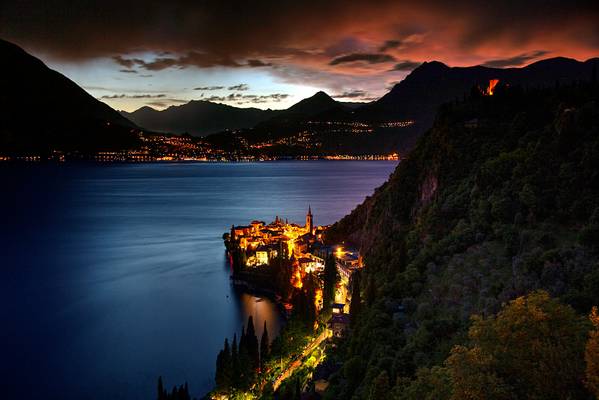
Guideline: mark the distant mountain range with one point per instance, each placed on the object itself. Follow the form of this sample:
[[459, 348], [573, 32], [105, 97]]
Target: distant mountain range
[[200, 117], [415, 101], [43, 110]]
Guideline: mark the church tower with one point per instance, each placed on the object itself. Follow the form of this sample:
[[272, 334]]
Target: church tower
[[309, 221]]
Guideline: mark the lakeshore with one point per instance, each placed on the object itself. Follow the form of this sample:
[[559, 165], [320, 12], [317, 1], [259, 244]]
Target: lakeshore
[[311, 280]]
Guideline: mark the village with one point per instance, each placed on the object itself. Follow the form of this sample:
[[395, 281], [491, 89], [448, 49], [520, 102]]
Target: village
[[261, 244]]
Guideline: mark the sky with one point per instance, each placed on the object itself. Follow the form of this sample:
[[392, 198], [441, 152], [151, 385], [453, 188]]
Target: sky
[[271, 54]]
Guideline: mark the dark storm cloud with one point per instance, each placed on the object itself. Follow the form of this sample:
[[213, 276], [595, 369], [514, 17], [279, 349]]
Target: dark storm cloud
[[241, 87], [389, 44], [406, 65], [257, 63], [370, 58], [516, 61], [166, 102], [299, 34], [209, 88], [352, 94], [192, 58]]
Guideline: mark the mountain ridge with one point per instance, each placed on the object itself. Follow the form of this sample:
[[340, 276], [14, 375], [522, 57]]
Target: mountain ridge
[[44, 110]]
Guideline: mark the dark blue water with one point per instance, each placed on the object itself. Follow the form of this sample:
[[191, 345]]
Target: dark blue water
[[113, 275]]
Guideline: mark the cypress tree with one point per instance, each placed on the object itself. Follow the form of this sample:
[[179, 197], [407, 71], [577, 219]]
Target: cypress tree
[[236, 370], [223, 367], [310, 296], [218, 376], [370, 291], [264, 347], [330, 278], [161, 391], [356, 299], [252, 344], [227, 365]]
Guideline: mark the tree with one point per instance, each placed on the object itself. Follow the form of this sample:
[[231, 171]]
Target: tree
[[356, 300], [330, 278], [310, 284], [264, 347], [161, 392], [531, 349], [591, 355], [252, 344], [236, 365], [370, 291], [224, 367]]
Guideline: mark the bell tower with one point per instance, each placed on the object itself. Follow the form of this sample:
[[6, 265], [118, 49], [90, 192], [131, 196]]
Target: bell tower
[[309, 221]]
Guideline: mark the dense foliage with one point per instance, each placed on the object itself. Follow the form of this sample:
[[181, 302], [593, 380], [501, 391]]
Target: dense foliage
[[500, 199]]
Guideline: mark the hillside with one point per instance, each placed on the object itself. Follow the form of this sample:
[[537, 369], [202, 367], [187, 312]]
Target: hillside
[[198, 118], [499, 199], [432, 84], [43, 110], [321, 125]]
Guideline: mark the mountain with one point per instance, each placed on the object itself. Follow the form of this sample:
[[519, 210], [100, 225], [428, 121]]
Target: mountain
[[313, 105], [433, 83], [198, 118], [42, 110], [320, 125], [481, 252], [418, 97]]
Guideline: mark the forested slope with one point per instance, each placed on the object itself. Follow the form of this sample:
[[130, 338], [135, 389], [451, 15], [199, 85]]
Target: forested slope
[[498, 201]]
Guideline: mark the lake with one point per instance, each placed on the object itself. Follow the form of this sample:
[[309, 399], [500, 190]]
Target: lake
[[111, 275]]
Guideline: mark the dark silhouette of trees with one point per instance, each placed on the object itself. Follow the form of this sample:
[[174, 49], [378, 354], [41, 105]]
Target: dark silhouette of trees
[[356, 300], [251, 341], [177, 393], [224, 366], [330, 278], [264, 347], [370, 294]]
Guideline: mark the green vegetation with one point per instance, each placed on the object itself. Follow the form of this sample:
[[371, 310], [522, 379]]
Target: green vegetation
[[495, 215]]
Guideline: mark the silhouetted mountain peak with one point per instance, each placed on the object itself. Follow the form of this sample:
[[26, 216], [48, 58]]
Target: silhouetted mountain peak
[[315, 104]]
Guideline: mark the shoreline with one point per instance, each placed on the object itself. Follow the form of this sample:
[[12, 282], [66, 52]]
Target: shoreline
[[188, 161]]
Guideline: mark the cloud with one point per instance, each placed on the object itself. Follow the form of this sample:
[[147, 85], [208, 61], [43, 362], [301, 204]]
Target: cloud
[[389, 44], [516, 61], [166, 103], [239, 98], [406, 65], [133, 96], [370, 58], [333, 44], [257, 63], [241, 87], [351, 94], [208, 88], [191, 58]]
